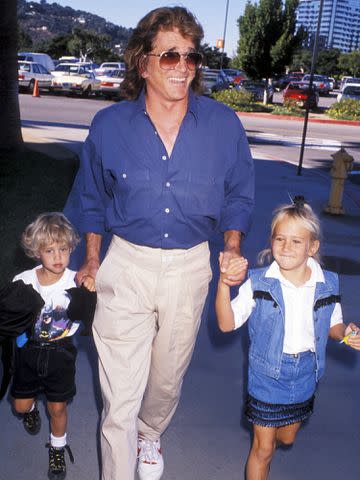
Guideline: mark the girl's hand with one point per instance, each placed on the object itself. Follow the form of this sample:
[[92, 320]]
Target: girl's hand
[[89, 282], [232, 269], [353, 340]]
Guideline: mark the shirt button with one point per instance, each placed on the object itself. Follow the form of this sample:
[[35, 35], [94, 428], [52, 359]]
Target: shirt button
[[164, 157], [124, 175], [166, 235], [167, 210], [167, 184]]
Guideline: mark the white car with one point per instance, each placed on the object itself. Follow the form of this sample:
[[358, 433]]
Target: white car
[[76, 80], [108, 66], [350, 90], [28, 72], [110, 83]]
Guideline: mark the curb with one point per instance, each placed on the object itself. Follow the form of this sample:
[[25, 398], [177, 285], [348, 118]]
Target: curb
[[298, 119]]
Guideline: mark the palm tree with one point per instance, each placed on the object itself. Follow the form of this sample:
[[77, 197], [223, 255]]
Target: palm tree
[[10, 127]]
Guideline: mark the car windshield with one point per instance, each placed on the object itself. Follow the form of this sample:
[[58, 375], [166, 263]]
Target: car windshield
[[299, 86], [62, 68], [352, 90], [229, 71], [117, 74], [25, 67], [251, 83]]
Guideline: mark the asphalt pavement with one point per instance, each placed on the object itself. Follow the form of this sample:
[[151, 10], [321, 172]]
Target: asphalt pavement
[[208, 438]]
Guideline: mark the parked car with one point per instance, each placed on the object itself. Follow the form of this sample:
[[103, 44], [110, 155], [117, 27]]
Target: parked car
[[334, 84], [350, 90], [92, 67], [66, 67], [111, 83], [232, 75], [279, 83], [300, 93], [28, 72], [43, 58], [108, 66], [321, 82], [346, 80], [213, 81], [77, 80], [257, 88]]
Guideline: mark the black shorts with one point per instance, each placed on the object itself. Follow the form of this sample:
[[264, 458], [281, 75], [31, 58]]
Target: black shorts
[[45, 368]]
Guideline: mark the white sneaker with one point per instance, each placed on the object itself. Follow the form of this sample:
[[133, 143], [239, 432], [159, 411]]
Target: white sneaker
[[151, 462]]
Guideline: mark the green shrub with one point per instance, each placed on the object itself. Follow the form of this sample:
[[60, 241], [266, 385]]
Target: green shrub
[[288, 108], [348, 109], [240, 100]]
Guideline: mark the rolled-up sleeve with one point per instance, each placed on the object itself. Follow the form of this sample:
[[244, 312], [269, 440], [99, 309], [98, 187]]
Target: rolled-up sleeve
[[93, 196], [239, 189]]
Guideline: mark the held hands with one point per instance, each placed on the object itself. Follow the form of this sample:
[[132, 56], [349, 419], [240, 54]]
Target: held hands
[[233, 268], [352, 336], [87, 273]]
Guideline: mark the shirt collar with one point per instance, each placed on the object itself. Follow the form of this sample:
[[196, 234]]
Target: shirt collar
[[140, 104], [317, 275]]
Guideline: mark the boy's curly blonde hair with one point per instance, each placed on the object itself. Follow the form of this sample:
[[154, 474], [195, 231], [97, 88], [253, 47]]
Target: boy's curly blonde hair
[[48, 228]]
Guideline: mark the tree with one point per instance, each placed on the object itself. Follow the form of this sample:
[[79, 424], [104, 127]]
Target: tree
[[267, 37], [349, 63], [328, 62], [212, 57], [24, 41], [301, 61], [10, 127], [84, 43]]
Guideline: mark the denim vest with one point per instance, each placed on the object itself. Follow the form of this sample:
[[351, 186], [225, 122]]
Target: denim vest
[[267, 321]]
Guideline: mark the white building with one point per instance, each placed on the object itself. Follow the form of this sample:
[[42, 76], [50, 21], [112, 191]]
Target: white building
[[340, 22]]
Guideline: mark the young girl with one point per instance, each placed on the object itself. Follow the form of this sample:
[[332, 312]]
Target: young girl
[[45, 363], [292, 306]]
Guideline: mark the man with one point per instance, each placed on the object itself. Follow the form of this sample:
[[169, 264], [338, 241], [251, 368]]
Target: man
[[160, 172]]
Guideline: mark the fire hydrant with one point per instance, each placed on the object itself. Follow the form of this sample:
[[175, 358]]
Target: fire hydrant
[[342, 164]]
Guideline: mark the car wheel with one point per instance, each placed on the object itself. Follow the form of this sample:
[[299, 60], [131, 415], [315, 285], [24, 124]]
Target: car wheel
[[87, 92], [31, 86]]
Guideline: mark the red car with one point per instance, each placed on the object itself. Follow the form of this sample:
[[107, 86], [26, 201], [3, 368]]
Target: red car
[[300, 93]]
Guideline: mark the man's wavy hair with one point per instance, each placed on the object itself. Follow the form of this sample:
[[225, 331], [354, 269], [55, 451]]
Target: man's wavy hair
[[142, 42]]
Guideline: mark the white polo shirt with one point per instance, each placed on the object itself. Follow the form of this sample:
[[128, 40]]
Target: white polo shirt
[[299, 307]]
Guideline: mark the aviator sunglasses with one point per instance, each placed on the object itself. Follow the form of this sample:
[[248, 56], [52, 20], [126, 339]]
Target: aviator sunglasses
[[169, 60]]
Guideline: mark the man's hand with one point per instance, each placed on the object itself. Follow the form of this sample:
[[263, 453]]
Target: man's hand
[[233, 268], [87, 273], [233, 265]]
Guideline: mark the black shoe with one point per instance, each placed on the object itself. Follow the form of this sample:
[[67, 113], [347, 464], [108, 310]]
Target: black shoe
[[57, 465], [32, 421]]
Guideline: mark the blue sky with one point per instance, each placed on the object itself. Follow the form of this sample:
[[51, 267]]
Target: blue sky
[[210, 13]]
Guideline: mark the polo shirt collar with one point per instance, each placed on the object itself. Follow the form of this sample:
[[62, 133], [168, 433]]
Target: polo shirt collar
[[140, 104], [317, 275]]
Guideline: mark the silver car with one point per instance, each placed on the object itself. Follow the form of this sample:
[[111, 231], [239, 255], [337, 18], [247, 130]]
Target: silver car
[[28, 72], [111, 83], [350, 90], [321, 82]]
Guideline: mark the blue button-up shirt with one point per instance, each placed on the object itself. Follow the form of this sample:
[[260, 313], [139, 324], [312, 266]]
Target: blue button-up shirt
[[132, 188]]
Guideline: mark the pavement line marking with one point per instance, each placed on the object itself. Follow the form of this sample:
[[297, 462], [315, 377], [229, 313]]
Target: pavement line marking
[[294, 141]]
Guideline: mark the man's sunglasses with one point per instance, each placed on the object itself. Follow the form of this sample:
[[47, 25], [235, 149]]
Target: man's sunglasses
[[169, 60]]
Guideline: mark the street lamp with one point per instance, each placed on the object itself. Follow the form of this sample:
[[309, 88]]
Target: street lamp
[[223, 43], [313, 63]]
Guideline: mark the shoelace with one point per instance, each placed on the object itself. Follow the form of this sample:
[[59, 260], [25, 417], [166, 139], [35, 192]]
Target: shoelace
[[149, 451], [31, 418], [57, 458]]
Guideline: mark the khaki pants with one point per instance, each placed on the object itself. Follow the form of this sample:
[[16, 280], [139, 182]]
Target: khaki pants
[[146, 322]]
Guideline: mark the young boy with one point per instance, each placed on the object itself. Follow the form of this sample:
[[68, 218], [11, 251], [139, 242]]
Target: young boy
[[45, 357]]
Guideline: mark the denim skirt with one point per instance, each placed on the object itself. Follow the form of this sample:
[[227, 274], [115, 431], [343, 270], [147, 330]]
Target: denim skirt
[[289, 399]]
